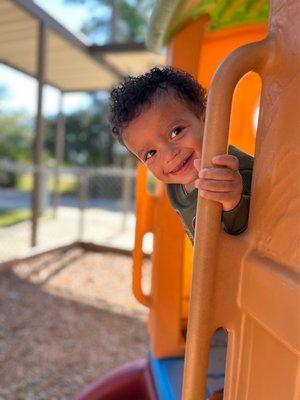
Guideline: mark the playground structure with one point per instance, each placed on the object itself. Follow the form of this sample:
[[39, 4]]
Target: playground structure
[[247, 285]]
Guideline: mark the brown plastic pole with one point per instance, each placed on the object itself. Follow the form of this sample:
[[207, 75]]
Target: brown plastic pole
[[39, 136], [200, 324]]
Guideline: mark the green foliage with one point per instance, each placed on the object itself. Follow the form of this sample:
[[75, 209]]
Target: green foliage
[[133, 20], [170, 15], [15, 138], [68, 183], [127, 18], [88, 141], [232, 12], [25, 182], [11, 217], [87, 137]]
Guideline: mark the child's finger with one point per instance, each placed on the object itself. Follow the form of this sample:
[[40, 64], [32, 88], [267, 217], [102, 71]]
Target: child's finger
[[217, 196], [197, 164], [226, 160], [217, 186], [225, 174]]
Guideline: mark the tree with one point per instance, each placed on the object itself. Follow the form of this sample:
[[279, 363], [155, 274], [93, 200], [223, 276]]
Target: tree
[[111, 21], [119, 21], [87, 140], [15, 138], [15, 144]]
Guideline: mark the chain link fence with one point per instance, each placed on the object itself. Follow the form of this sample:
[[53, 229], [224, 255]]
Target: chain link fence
[[77, 204]]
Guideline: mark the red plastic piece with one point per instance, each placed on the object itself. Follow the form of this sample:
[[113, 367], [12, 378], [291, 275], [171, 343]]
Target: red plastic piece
[[130, 382]]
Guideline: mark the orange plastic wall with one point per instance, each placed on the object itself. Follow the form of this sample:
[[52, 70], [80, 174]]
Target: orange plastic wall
[[216, 46]]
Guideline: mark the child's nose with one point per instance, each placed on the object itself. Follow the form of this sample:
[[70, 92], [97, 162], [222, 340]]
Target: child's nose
[[171, 153]]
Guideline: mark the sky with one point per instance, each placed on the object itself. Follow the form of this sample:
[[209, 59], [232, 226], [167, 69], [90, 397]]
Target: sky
[[22, 90]]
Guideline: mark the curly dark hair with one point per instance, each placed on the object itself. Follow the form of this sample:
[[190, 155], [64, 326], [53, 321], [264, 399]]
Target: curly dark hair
[[129, 98]]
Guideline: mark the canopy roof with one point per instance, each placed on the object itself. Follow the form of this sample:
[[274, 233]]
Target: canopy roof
[[169, 16], [71, 64]]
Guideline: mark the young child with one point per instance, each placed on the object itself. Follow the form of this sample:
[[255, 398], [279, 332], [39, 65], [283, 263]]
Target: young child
[[159, 117]]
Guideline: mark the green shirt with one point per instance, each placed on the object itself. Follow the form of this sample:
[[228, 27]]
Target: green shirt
[[233, 221]]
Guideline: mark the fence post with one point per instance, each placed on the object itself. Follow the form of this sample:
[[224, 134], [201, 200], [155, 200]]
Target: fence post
[[126, 190], [83, 178], [44, 189], [59, 154]]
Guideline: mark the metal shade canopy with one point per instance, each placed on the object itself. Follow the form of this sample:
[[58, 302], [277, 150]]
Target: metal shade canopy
[[71, 64]]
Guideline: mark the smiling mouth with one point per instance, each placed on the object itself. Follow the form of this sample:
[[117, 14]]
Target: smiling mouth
[[181, 165]]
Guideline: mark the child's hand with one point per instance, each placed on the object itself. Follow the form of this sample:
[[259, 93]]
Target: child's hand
[[222, 182]]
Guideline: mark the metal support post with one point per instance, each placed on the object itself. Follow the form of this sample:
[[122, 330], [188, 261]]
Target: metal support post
[[39, 136]]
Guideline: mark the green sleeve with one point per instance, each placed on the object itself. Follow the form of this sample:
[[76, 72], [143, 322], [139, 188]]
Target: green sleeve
[[235, 221]]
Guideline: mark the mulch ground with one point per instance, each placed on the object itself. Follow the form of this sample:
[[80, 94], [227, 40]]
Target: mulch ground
[[67, 318]]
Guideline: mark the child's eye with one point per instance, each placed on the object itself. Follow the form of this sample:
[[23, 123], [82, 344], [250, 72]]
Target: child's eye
[[175, 132], [149, 154]]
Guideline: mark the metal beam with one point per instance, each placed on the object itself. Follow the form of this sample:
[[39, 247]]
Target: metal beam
[[46, 82], [37, 12], [50, 83], [109, 66], [78, 40], [118, 48]]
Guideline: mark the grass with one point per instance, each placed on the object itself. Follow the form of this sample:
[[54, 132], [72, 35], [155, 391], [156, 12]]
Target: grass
[[12, 217], [25, 183], [68, 184]]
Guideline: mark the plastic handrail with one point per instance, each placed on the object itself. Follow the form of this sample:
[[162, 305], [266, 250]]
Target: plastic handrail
[[144, 224], [251, 57]]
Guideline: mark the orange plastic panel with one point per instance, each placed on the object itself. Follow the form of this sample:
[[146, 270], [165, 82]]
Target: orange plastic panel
[[217, 45]]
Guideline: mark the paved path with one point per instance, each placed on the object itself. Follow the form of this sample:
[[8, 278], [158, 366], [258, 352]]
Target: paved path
[[102, 223], [100, 226]]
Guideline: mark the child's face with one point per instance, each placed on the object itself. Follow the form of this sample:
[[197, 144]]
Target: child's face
[[167, 137]]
